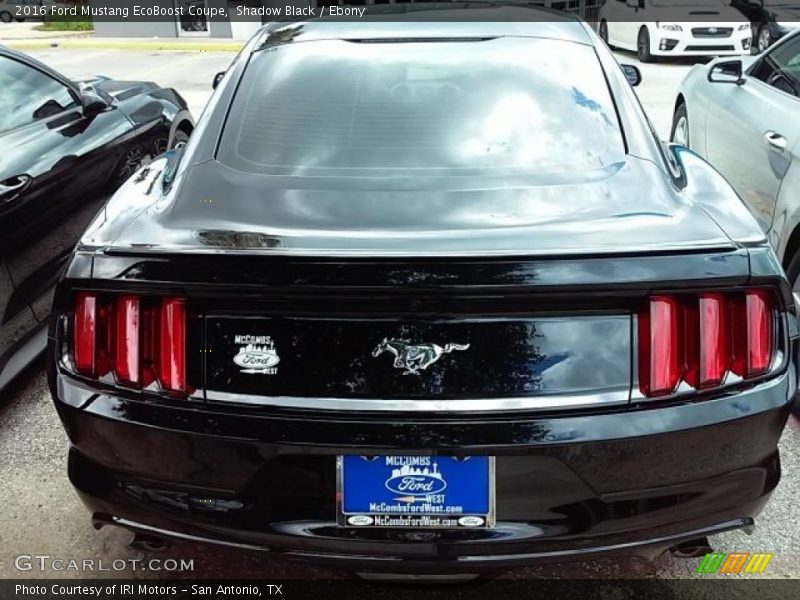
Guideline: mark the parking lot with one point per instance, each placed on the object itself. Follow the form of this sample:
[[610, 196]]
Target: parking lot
[[41, 515]]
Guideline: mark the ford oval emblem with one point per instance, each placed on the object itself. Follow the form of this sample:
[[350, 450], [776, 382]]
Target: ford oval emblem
[[471, 521], [417, 484], [256, 359], [359, 520]]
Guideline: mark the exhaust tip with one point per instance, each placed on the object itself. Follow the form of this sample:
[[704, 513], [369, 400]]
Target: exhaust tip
[[692, 549]]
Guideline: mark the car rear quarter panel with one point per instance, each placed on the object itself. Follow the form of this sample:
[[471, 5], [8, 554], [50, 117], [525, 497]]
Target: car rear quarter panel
[[707, 188]]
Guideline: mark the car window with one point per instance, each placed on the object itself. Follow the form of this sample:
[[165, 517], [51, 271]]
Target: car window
[[781, 67], [27, 95], [508, 104]]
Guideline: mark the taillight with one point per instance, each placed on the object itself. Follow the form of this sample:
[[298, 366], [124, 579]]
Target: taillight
[[172, 369], [84, 333], [660, 364], [699, 340], [714, 353], [140, 340], [126, 340], [759, 333]]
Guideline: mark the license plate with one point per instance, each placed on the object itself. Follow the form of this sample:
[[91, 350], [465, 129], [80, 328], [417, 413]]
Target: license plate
[[423, 492]]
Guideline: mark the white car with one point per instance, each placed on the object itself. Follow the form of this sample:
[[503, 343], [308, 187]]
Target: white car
[[667, 28], [743, 116]]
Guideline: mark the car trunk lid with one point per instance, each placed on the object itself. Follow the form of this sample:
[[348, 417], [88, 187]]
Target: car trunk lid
[[212, 208]]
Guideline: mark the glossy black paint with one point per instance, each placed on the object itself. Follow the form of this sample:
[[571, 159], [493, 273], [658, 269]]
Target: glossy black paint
[[542, 275], [69, 163], [540, 356]]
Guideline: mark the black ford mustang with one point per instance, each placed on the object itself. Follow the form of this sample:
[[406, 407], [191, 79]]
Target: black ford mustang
[[65, 146], [425, 297]]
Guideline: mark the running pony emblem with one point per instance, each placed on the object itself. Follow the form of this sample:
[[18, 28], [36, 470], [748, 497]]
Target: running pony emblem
[[414, 358]]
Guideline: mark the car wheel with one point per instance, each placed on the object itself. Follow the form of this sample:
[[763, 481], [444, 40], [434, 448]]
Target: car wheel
[[680, 126], [162, 144], [5, 17], [763, 39], [603, 32], [179, 139], [129, 164], [643, 46]]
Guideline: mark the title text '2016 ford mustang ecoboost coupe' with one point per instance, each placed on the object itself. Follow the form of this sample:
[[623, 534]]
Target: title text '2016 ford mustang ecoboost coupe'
[[425, 297]]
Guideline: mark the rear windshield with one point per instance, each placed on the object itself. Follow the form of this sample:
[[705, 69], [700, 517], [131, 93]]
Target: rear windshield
[[518, 105]]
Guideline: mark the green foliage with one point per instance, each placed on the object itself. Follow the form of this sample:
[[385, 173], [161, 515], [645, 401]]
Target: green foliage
[[66, 23]]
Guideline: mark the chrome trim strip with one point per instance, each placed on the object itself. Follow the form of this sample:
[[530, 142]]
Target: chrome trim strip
[[528, 403]]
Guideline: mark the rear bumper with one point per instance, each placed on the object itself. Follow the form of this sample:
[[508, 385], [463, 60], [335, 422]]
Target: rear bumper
[[568, 487], [378, 557]]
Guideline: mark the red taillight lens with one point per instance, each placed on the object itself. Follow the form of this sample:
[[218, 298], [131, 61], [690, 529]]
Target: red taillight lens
[[754, 334], [699, 340], [126, 346], [172, 364], [659, 349], [759, 333], [714, 352], [85, 333], [141, 340]]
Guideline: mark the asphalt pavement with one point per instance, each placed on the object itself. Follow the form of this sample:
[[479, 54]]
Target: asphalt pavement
[[41, 515]]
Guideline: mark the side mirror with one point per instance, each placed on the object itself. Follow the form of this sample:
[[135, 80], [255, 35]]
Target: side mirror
[[92, 103], [633, 3], [632, 74], [729, 71], [217, 78]]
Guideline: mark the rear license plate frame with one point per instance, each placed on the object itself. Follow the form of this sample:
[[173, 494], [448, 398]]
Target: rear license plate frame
[[424, 519]]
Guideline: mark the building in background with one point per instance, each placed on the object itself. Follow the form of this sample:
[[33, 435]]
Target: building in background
[[244, 29]]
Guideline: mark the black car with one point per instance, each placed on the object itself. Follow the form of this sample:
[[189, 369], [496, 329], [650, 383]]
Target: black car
[[771, 19], [65, 146], [425, 297]]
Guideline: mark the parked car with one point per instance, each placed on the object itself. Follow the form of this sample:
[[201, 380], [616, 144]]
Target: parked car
[[654, 28], [24, 10], [402, 258], [771, 19], [743, 116], [66, 146]]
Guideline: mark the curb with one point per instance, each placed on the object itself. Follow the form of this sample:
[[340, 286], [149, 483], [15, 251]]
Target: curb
[[143, 45]]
